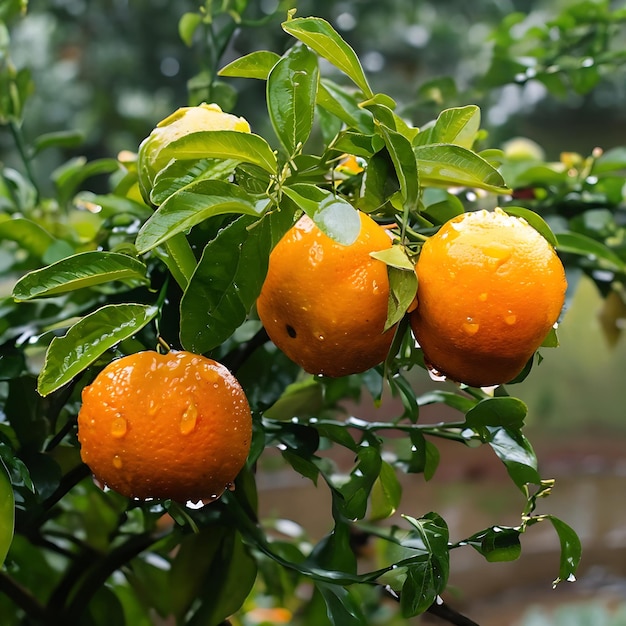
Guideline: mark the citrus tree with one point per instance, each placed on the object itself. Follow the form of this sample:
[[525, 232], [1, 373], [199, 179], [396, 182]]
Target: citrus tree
[[197, 258]]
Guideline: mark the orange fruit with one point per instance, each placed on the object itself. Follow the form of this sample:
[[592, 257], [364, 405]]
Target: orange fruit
[[153, 153], [490, 288], [324, 304], [173, 425]]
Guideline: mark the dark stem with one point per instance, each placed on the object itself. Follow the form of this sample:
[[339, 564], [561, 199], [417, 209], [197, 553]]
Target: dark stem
[[448, 614], [441, 610], [18, 138], [22, 597]]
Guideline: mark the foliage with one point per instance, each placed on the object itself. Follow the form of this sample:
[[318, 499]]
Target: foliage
[[98, 274]]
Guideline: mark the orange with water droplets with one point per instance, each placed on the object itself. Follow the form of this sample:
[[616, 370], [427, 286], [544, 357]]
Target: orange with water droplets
[[173, 425], [324, 304], [490, 288]]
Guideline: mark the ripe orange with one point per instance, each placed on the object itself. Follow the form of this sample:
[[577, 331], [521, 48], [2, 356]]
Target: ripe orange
[[490, 288], [325, 304], [174, 425]]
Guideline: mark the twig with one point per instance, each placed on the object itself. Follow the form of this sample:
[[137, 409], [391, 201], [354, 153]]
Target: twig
[[22, 597]]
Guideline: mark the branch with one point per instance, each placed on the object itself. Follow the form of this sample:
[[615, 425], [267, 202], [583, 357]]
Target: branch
[[441, 610], [22, 597], [448, 614]]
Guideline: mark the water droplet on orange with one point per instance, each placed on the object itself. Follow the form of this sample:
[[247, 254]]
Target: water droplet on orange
[[210, 375], [117, 462], [470, 327], [189, 419], [230, 486], [510, 318], [482, 297], [119, 427]]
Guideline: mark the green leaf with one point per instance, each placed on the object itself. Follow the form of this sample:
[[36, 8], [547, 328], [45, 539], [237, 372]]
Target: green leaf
[[355, 493], [230, 579], [506, 412], [333, 215], [402, 290], [7, 512], [497, 544], [222, 144], [27, 234], [88, 339], [427, 575], [386, 493], [515, 451], [575, 243], [179, 174], [80, 270], [335, 551], [321, 37], [454, 166], [71, 175], [406, 166], [291, 94], [342, 608], [458, 126], [535, 220], [192, 205], [344, 106], [187, 26], [571, 550], [257, 64], [225, 284], [59, 139]]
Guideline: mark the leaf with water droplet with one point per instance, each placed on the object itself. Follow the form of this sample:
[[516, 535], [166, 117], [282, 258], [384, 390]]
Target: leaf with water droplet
[[571, 550], [333, 215]]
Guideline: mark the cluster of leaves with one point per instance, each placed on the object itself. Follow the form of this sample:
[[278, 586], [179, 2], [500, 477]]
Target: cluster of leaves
[[567, 51], [94, 276]]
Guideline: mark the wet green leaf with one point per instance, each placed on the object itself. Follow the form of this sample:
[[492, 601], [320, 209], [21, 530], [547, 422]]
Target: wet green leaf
[[507, 412], [515, 451], [355, 493], [386, 493], [571, 550], [89, 338], [257, 64], [321, 37], [76, 272], [291, 94], [454, 166], [225, 284], [333, 215], [427, 575], [497, 544], [192, 205], [301, 398], [334, 551], [71, 175], [7, 512]]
